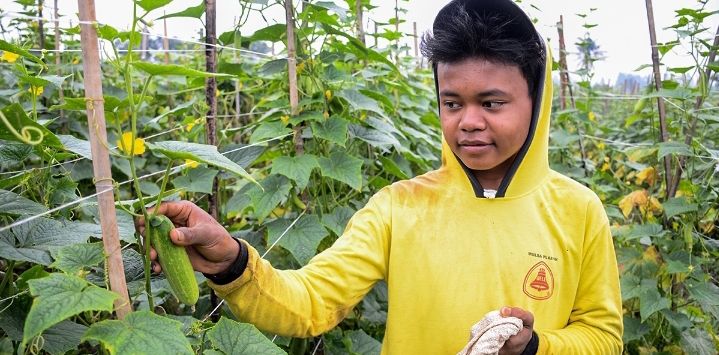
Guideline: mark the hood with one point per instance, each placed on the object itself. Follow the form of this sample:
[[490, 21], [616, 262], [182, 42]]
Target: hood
[[531, 166]]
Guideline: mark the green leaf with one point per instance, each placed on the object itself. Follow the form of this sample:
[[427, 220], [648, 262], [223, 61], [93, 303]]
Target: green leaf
[[677, 320], [76, 145], [634, 329], [149, 5], [77, 257], [243, 155], [272, 33], [107, 32], [192, 11], [373, 137], [333, 129], [342, 167], [233, 338], [174, 69], [10, 252], [298, 168], [12, 153], [35, 272], [201, 153], [677, 206], [269, 130], [141, 332], [363, 343], [58, 297], [20, 122], [8, 47], [276, 188], [666, 148], [44, 80], [697, 341], [360, 101], [14, 204], [63, 337], [706, 293], [337, 220], [198, 179], [391, 167], [650, 301], [301, 240]]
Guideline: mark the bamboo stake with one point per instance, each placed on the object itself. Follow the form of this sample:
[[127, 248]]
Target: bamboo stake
[[563, 75], [210, 89], [416, 44], [376, 35], [57, 58], [166, 47], [292, 72], [40, 24], [101, 157], [689, 136], [360, 22], [660, 101]]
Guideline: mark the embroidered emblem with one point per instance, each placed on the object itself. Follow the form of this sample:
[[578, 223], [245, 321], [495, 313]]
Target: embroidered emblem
[[539, 282]]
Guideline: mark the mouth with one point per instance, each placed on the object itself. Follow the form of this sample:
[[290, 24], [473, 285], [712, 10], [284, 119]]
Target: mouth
[[473, 143]]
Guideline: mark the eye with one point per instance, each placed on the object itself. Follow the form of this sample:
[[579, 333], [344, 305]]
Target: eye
[[493, 105], [451, 105]]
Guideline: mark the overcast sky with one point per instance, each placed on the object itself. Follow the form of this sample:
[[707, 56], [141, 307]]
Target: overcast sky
[[621, 32]]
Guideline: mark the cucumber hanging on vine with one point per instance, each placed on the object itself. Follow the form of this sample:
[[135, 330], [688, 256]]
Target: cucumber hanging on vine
[[174, 261]]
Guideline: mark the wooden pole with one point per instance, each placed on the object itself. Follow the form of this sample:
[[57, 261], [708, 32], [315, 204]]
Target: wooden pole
[[375, 34], [689, 134], [56, 16], [100, 156], [40, 24], [292, 72], [563, 75], [166, 47], [210, 89], [660, 101], [360, 21]]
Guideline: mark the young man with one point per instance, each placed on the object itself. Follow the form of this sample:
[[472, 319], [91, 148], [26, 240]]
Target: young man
[[493, 227]]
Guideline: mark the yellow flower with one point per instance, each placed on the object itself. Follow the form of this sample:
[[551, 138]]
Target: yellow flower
[[76, 60], [217, 93], [191, 163], [189, 126], [125, 144], [642, 200], [592, 117], [285, 119], [649, 175], [9, 57], [328, 95], [326, 115], [36, 90]]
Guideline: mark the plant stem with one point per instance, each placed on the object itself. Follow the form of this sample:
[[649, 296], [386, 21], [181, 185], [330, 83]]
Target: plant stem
[[165, 178], [8, 275]]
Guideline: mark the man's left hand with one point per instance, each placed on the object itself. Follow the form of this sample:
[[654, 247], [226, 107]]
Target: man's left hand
[[515, 344]]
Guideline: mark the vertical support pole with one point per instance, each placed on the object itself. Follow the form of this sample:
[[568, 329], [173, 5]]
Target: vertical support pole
[[416, 44], [563, 75], [41, 24], [101, 157], [376, 29], [56, 16], [166, 47], [660, 101], [292, 72], [360, 21]]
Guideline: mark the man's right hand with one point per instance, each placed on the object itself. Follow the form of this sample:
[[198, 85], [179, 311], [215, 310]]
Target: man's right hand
[[210, 247]]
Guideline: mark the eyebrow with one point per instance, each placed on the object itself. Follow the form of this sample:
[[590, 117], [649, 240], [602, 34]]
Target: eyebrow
[[488, 93]]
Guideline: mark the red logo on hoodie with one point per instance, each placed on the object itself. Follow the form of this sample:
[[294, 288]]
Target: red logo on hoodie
[[539, 282]]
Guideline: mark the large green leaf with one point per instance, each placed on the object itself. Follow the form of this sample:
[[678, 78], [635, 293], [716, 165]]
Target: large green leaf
[[275, 188], [192, 11], [333, 129], [201, 153], [9, 251], [269, 130], [337, 220], [14, 204], [677, 206], [60, 296], [63, 337], [363, 343], [301, 240], [76, 145], [149, 5], [74, 258], [372, 136], [298, 168], [233, 338], [360, 101], [706, 293], [634, 329], [199, 179], [141, 332], [174, 69], [650, 301], [9, 47], [12, 153], [667, 148], [44, 80], [24, 126], [272, 33], [342, 167], [697, 341]]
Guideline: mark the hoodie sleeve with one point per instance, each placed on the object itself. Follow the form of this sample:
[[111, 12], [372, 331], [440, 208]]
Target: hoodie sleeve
[[315, 298], [595, 324]]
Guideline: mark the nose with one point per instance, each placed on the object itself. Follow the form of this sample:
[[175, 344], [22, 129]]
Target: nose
[[473, 119]]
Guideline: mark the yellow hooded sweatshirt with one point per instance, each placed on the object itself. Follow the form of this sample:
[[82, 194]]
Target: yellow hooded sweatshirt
[[449, 256]]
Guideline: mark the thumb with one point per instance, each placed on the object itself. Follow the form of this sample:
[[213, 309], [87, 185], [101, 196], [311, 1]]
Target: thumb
[[185, 236]]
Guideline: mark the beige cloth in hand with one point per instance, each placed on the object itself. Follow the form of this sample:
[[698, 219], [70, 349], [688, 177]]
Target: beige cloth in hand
[[490, 334]]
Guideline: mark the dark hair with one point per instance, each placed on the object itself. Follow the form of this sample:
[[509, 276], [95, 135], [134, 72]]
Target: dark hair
[[492, 37]]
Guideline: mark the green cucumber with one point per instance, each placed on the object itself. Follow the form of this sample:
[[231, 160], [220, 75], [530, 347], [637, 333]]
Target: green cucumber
[[174, 261]]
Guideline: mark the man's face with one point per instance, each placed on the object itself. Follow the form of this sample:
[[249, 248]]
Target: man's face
[[485, 111]]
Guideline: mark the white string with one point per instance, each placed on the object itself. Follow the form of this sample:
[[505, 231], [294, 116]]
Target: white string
[[646, 145], [174, 170], [262, 257], [317, 346]]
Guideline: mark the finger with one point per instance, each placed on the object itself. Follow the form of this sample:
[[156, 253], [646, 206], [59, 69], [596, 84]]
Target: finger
[[526, 316], [153, 254], [177, 211], [156, 268], [199, 235]]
